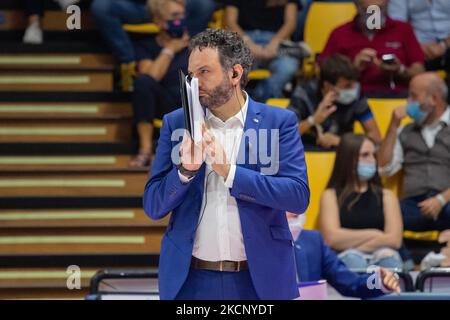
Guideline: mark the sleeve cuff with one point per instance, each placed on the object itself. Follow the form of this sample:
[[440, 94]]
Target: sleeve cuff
[[183, 179], [230, 179]]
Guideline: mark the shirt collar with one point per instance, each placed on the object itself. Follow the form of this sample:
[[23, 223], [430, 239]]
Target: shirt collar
[[240, 115]]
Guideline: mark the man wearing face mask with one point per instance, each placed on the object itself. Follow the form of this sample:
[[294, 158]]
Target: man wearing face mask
[[422, 149], [369, 45], [317, 261], [329, 109]]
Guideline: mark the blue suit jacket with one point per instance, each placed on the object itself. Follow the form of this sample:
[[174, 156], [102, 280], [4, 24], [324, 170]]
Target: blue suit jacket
[[262, 201], [316, 261]]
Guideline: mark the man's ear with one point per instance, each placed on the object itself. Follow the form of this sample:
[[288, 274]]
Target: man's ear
[[237, 74]]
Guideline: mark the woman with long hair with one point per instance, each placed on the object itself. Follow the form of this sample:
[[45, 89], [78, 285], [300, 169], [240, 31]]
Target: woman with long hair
[[359, 218]]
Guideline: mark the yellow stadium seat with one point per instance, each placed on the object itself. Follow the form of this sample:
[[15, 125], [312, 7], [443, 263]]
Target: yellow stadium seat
[[322, 19], [150, 28], [382, 111], [320, 165], [442, 74], [259, 74], [277, 102], [422, 236], [217, 20], [157, 123]]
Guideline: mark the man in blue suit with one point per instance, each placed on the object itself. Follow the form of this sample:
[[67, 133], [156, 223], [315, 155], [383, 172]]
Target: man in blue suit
[[317, 261], [228, 236]]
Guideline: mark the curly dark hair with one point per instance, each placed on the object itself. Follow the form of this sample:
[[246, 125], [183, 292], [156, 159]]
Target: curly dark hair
[[232, 49]]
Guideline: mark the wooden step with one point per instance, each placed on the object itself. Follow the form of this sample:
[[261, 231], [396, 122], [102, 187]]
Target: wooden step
[[65, 110], [81, 241], [53, 20], [56, 81], [46, 164], [129, 184], [87, 218], [45, 61], [65, 131]]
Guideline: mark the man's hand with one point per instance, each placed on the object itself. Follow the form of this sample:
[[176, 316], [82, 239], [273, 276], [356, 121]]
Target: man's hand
[[433, 50], [216, 153], [390, 280], [364, 58], [391, 68], [325, 108], [430, 207], [399, 114], [328, 140], [192, 155], [271, 50]]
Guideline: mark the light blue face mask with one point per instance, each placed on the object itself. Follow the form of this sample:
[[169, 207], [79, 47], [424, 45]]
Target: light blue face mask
[[366, 171], [414, 111], [348, 96]]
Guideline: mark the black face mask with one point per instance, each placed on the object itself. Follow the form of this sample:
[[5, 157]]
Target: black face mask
[[176, 28]]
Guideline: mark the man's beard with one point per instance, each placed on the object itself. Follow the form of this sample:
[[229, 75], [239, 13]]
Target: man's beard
[[218, 96]]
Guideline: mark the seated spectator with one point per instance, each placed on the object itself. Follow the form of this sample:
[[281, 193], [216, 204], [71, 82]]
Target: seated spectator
[[359, 218], [317, 261], [431, 23], [328, 110], [366, 47], [34, 10], [422, 149], [264, 25], [157, 89], [111, 15]]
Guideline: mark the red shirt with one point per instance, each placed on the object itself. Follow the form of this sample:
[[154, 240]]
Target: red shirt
[[394, 37]]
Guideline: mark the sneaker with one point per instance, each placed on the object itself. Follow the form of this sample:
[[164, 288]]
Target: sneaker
[[64, 4], [298, 50], [127, 74], [33, 34]]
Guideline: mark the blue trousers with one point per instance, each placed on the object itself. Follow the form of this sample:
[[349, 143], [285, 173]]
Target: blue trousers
[[109, 16], [414, 220], [216, 285], [282, 68]]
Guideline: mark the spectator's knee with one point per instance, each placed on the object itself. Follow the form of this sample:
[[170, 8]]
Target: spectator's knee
[[100, 8], [144, 83]]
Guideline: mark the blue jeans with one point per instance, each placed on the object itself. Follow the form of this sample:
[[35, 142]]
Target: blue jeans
[[414, 220], [384, 257], [283, 69], [216, 285], [110, 15]]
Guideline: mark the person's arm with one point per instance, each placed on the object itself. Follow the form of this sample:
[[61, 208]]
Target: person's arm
[[386, 152], [371, 129], [232, 23], [393, 226], [157, 68], [287, 189], [337, 237], [164, 190], [231, 20], [323, 111], [289, 24], [346, 282]]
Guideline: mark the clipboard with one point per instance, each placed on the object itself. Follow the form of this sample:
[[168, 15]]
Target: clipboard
[[185, 102]]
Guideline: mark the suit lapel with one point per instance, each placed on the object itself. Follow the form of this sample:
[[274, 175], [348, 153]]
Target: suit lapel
[[248, 147]]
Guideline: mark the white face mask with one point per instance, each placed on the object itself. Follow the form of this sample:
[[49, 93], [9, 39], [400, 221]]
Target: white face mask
[[296, 225], [348, 96]]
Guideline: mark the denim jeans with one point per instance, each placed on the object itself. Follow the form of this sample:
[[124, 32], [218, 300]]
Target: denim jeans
[[414, 220], [110, 15], [282, 68], [384, 257]]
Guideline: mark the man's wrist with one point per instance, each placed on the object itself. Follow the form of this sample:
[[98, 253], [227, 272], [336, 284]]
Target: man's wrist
[[311, 120], [185, 172], [441, 199], [169, 52]]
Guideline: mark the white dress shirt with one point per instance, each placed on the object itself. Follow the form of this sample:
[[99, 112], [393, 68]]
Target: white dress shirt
[[219, 234], [428, 132]]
